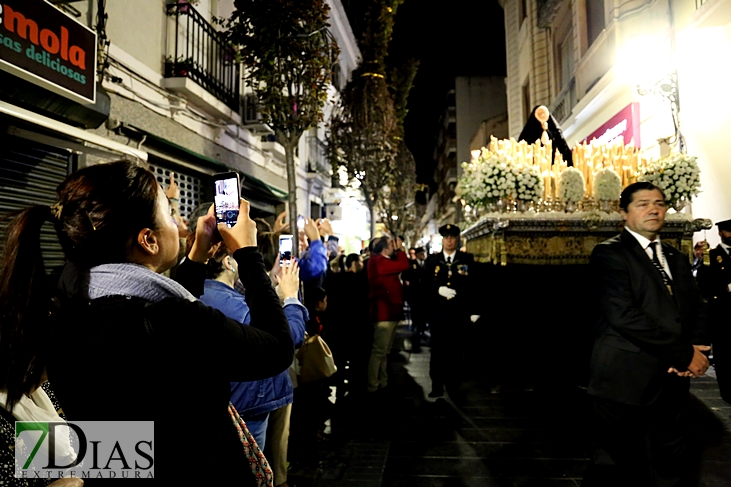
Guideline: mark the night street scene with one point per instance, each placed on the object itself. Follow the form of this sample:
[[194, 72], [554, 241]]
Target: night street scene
[[365, 243]]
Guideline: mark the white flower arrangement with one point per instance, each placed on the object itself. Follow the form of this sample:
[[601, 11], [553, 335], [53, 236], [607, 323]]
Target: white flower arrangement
[[607, 185], [529, 183], [485, 180], [678, 175], [571, 185]]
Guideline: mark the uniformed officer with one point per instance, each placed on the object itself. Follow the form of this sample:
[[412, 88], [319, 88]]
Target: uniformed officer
[[449, 282], [719, 305]]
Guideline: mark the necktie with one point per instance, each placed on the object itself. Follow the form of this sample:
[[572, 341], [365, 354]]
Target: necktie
[[656, 262], [449, 260]]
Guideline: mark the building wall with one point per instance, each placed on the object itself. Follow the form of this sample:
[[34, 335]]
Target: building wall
[[477, 98], [636, 48], [145, 37]]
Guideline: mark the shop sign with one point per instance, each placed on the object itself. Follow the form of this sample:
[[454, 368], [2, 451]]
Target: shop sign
[[41, 44], [626, 124]]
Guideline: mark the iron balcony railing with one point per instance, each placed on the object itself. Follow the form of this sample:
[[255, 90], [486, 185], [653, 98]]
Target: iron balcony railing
[[203, 55], [564, 102], [317, 157]]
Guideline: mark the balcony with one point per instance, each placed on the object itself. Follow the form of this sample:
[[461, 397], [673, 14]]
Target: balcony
[[202, 55], [317, 162], [564, 102]]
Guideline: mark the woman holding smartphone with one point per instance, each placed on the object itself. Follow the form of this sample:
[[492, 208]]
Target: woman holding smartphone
[[119, 341]]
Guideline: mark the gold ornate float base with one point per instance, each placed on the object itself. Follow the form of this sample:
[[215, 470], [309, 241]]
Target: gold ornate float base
[[516, 239]]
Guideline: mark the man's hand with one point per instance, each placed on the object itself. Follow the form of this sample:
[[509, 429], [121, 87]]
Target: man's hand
[[699, 364], [279, 224], [324, 227], [289, 279], [474, 318], [172, 191], [447, 292], [311, 230]]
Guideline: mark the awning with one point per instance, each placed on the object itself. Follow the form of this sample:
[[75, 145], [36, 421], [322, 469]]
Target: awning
[[251, 187], [68, 130]]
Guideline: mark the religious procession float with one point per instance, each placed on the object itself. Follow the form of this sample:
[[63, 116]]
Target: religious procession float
[[527, 204]]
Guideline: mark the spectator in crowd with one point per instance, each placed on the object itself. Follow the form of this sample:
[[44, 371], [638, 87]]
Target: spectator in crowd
[[417, 296], [144, 337], [387, 305], [255, 400]]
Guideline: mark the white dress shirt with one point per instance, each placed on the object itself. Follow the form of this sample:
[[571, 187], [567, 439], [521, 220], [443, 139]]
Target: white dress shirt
[[645, 243], [449, 255]]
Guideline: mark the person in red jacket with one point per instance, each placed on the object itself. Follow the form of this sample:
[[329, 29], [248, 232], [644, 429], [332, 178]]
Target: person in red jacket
[[387, 261]]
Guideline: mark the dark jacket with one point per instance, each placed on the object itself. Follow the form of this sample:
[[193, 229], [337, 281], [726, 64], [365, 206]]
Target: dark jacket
[[642, 330], [123, 359], [386, 292], [463, 280]]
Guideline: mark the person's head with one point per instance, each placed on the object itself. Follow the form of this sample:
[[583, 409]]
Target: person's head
[[643, 207], [412, 253], [316, 298], [699, 248], [724, 231], [267, 243], [353, 263], [420, 253], [383, 246], [107, 213], [222, 266], [337, 263], [450, 237]]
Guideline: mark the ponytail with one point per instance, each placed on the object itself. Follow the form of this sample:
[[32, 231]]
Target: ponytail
[[25, 299]]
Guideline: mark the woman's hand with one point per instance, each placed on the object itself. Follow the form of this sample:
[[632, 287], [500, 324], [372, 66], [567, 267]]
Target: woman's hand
[[289, 279], [206, 241], [241, 235], [279, 224]]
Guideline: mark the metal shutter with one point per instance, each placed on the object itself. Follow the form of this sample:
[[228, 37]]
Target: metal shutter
[[30, 172], [192, 186]]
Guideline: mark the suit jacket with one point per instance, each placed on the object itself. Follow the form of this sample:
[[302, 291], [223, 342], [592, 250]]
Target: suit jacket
[[643, 329], [719, 297], [462, 280]]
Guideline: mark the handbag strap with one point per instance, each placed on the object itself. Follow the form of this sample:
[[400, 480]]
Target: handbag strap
[[257, 461]]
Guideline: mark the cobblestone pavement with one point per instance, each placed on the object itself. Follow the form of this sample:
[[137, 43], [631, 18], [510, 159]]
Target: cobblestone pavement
[[514, 438]]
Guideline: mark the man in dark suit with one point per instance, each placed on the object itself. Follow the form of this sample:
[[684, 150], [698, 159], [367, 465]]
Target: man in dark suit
[[719, 304], [450, 288], [650, 339]]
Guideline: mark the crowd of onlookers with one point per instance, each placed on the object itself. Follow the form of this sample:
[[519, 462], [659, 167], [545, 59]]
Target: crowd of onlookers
[[144, 322]]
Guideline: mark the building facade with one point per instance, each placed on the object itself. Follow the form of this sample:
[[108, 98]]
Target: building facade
[[169, 93], [645, 70]]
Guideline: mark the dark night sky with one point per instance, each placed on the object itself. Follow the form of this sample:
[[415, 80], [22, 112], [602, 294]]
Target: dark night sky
[[450, 38]]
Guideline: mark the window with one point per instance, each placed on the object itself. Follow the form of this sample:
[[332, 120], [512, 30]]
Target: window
[[565, 60], [594, 19], [527, 108], [522, 11]]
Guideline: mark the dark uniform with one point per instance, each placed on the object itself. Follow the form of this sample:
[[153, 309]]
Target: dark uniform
[[417, 298], [719, 307], [449, 319]]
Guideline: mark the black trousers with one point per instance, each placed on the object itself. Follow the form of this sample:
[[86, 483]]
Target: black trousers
[[448, 341], [641, 446]]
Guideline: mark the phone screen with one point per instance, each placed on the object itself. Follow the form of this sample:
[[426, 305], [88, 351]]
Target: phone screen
[[226, 199], [300, 222], [285, 248]]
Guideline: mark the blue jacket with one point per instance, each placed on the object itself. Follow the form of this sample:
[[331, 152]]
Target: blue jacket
[[313, 261], [261, 396]]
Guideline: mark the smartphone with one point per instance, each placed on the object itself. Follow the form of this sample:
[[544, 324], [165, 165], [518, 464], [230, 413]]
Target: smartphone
[[226, 197], [300, 222], [285, 249]]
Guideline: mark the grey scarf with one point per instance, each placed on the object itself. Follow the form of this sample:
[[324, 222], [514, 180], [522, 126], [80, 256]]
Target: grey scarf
[[132, 280]]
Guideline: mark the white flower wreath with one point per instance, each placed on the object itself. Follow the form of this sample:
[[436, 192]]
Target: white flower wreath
[[678, 175], [607, 185], [571, 187]]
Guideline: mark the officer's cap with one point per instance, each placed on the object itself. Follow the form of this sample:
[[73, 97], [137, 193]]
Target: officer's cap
[[419, 250], [449, 230], [724, 225]]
